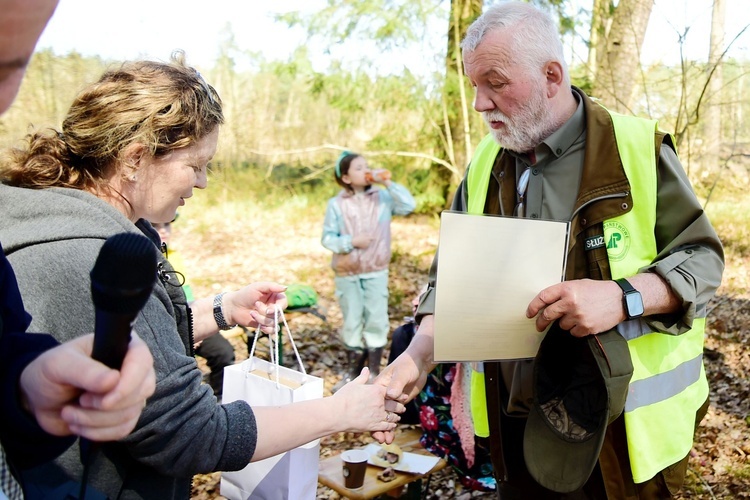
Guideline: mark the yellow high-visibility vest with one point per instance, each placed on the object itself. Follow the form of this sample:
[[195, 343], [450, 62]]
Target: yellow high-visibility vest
[[669, 382], [476, 186]]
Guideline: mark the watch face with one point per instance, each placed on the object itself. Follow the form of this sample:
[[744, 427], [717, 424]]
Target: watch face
[[634, 304]]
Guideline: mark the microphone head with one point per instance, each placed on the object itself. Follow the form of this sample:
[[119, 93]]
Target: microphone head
[[124, 273]]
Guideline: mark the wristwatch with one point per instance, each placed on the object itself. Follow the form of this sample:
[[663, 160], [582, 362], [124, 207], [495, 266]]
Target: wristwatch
[[631, 299], [219, 314]]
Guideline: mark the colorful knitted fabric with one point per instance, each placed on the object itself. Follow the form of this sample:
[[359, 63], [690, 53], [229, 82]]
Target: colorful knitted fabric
[[439, 434]]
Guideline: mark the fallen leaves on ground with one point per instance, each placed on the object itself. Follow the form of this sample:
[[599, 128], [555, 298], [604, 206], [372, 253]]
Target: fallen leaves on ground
[[235, 253]]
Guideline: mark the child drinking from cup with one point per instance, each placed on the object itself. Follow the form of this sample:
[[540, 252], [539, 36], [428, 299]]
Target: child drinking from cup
[[357, 229]]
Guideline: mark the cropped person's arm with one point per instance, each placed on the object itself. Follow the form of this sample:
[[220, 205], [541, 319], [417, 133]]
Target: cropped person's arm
[[71, 393], [405, 377], [18, 426], [52, 391], [356, 407], [183, 431]]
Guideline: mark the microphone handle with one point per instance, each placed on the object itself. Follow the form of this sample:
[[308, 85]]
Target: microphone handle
[[112, 337], [111, 340]]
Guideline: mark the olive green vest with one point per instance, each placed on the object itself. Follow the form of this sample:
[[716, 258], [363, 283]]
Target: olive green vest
[[669, 383]]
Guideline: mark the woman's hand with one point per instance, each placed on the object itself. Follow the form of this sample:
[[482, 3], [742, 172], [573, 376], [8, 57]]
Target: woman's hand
[[255, 305], [364, 407]]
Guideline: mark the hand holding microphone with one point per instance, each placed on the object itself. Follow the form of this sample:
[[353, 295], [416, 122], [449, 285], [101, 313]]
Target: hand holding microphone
[[122, 280], [70, 393], [67, 391]]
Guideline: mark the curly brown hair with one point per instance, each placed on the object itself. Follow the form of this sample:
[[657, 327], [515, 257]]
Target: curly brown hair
[[161, 106]]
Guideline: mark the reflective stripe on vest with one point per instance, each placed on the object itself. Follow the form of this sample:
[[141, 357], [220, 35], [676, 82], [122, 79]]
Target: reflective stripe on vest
[[669, 382]]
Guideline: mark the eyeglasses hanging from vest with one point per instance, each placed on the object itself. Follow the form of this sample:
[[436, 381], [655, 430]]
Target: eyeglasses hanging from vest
[[521, 188]]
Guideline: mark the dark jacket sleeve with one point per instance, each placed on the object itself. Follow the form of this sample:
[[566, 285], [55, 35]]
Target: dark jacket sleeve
[[18, 428]]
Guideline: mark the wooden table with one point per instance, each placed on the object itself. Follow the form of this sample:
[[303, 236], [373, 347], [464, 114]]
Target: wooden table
[[330, 470]]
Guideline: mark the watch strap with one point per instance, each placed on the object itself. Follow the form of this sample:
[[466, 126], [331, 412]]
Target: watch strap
[[625, 285], [219, 313]]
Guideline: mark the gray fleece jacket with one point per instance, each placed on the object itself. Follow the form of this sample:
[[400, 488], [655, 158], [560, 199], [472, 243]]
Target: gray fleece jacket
[[52, 238]]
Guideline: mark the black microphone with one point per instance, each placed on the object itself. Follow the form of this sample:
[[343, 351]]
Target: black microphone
[[122, 280]]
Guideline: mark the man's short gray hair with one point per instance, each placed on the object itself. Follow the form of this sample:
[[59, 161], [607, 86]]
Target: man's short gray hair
[[536, 35]]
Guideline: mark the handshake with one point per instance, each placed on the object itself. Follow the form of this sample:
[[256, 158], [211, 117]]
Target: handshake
[[379, 176]]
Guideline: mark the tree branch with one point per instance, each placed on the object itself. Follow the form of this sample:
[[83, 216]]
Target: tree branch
[[336, 147]]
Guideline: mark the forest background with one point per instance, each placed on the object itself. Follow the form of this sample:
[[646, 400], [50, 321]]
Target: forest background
[[288, 120]]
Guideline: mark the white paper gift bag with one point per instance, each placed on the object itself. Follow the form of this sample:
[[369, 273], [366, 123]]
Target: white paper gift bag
[[290, 475]]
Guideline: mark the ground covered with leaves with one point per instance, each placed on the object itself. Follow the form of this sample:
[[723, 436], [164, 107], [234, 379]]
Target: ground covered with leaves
[[231, 250]]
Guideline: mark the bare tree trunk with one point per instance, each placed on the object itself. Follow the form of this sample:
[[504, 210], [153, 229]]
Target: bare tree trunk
[[620, 60], [600, 22], [463, 13], [712, 131], [462, 93]]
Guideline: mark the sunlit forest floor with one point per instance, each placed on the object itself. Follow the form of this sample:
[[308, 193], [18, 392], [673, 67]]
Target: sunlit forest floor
[[227, 247]]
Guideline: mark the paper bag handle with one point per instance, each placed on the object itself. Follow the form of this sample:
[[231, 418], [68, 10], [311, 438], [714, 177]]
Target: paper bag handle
[[274, 343]]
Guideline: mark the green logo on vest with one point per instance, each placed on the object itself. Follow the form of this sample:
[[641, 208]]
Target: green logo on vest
[[618, 240]]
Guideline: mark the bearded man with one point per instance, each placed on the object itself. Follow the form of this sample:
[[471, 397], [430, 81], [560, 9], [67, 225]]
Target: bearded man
[[642, 263]]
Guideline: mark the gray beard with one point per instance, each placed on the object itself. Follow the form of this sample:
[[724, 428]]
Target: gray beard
[[529, 127]]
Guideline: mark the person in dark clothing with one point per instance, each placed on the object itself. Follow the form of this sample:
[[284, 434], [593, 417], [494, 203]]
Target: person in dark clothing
[[218, 353]]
